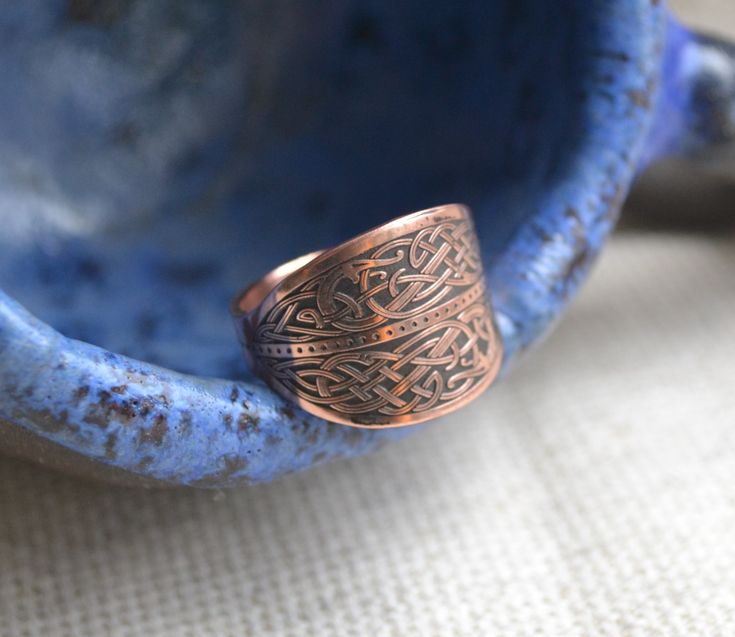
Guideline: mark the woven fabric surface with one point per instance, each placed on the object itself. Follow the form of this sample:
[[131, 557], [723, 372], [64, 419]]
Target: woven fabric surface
[[590, 494]]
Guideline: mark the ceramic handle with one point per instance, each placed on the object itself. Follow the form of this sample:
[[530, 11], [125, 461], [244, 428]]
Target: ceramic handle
[[695, 115]]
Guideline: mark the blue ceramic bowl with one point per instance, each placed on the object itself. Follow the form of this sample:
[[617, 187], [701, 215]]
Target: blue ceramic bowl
[[154, 157]]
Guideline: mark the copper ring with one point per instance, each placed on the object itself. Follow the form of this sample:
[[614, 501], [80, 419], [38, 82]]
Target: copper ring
[[391, 328]]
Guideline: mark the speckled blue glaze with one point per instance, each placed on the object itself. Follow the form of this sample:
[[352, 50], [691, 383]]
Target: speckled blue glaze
[[155, 158]]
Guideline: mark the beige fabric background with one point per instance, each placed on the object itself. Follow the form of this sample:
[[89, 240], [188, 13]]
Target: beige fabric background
[[592, 494]]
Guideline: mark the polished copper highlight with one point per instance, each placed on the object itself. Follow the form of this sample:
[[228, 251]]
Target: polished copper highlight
[[391, 328]]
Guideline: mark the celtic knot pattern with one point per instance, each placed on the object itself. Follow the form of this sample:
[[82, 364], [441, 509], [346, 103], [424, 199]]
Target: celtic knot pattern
[[401, 328]]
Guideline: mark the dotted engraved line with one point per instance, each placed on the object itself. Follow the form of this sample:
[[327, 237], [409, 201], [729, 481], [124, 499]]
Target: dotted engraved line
[[365, 339]]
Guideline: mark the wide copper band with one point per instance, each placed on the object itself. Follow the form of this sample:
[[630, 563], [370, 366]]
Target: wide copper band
[[391, 328]]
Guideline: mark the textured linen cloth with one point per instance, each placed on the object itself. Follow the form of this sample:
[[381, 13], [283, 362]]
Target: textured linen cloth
[[591, 494]]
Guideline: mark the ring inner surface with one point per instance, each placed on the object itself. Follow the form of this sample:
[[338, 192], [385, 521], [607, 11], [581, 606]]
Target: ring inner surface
[[254, 295]]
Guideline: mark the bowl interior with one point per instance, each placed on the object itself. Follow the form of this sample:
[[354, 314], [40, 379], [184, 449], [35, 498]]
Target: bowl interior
[[156, 157]]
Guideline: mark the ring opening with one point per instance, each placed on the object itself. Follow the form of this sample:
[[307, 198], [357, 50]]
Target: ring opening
[[253, 295]]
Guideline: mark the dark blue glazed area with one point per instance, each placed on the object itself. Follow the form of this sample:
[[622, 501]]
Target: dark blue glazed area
[[154, 157]]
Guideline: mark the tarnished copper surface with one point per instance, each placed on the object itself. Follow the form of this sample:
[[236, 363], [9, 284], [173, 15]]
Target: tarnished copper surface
[[391, 328]]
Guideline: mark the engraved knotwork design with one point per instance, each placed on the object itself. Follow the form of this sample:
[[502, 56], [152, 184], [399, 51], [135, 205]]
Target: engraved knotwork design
[[402, 328]]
